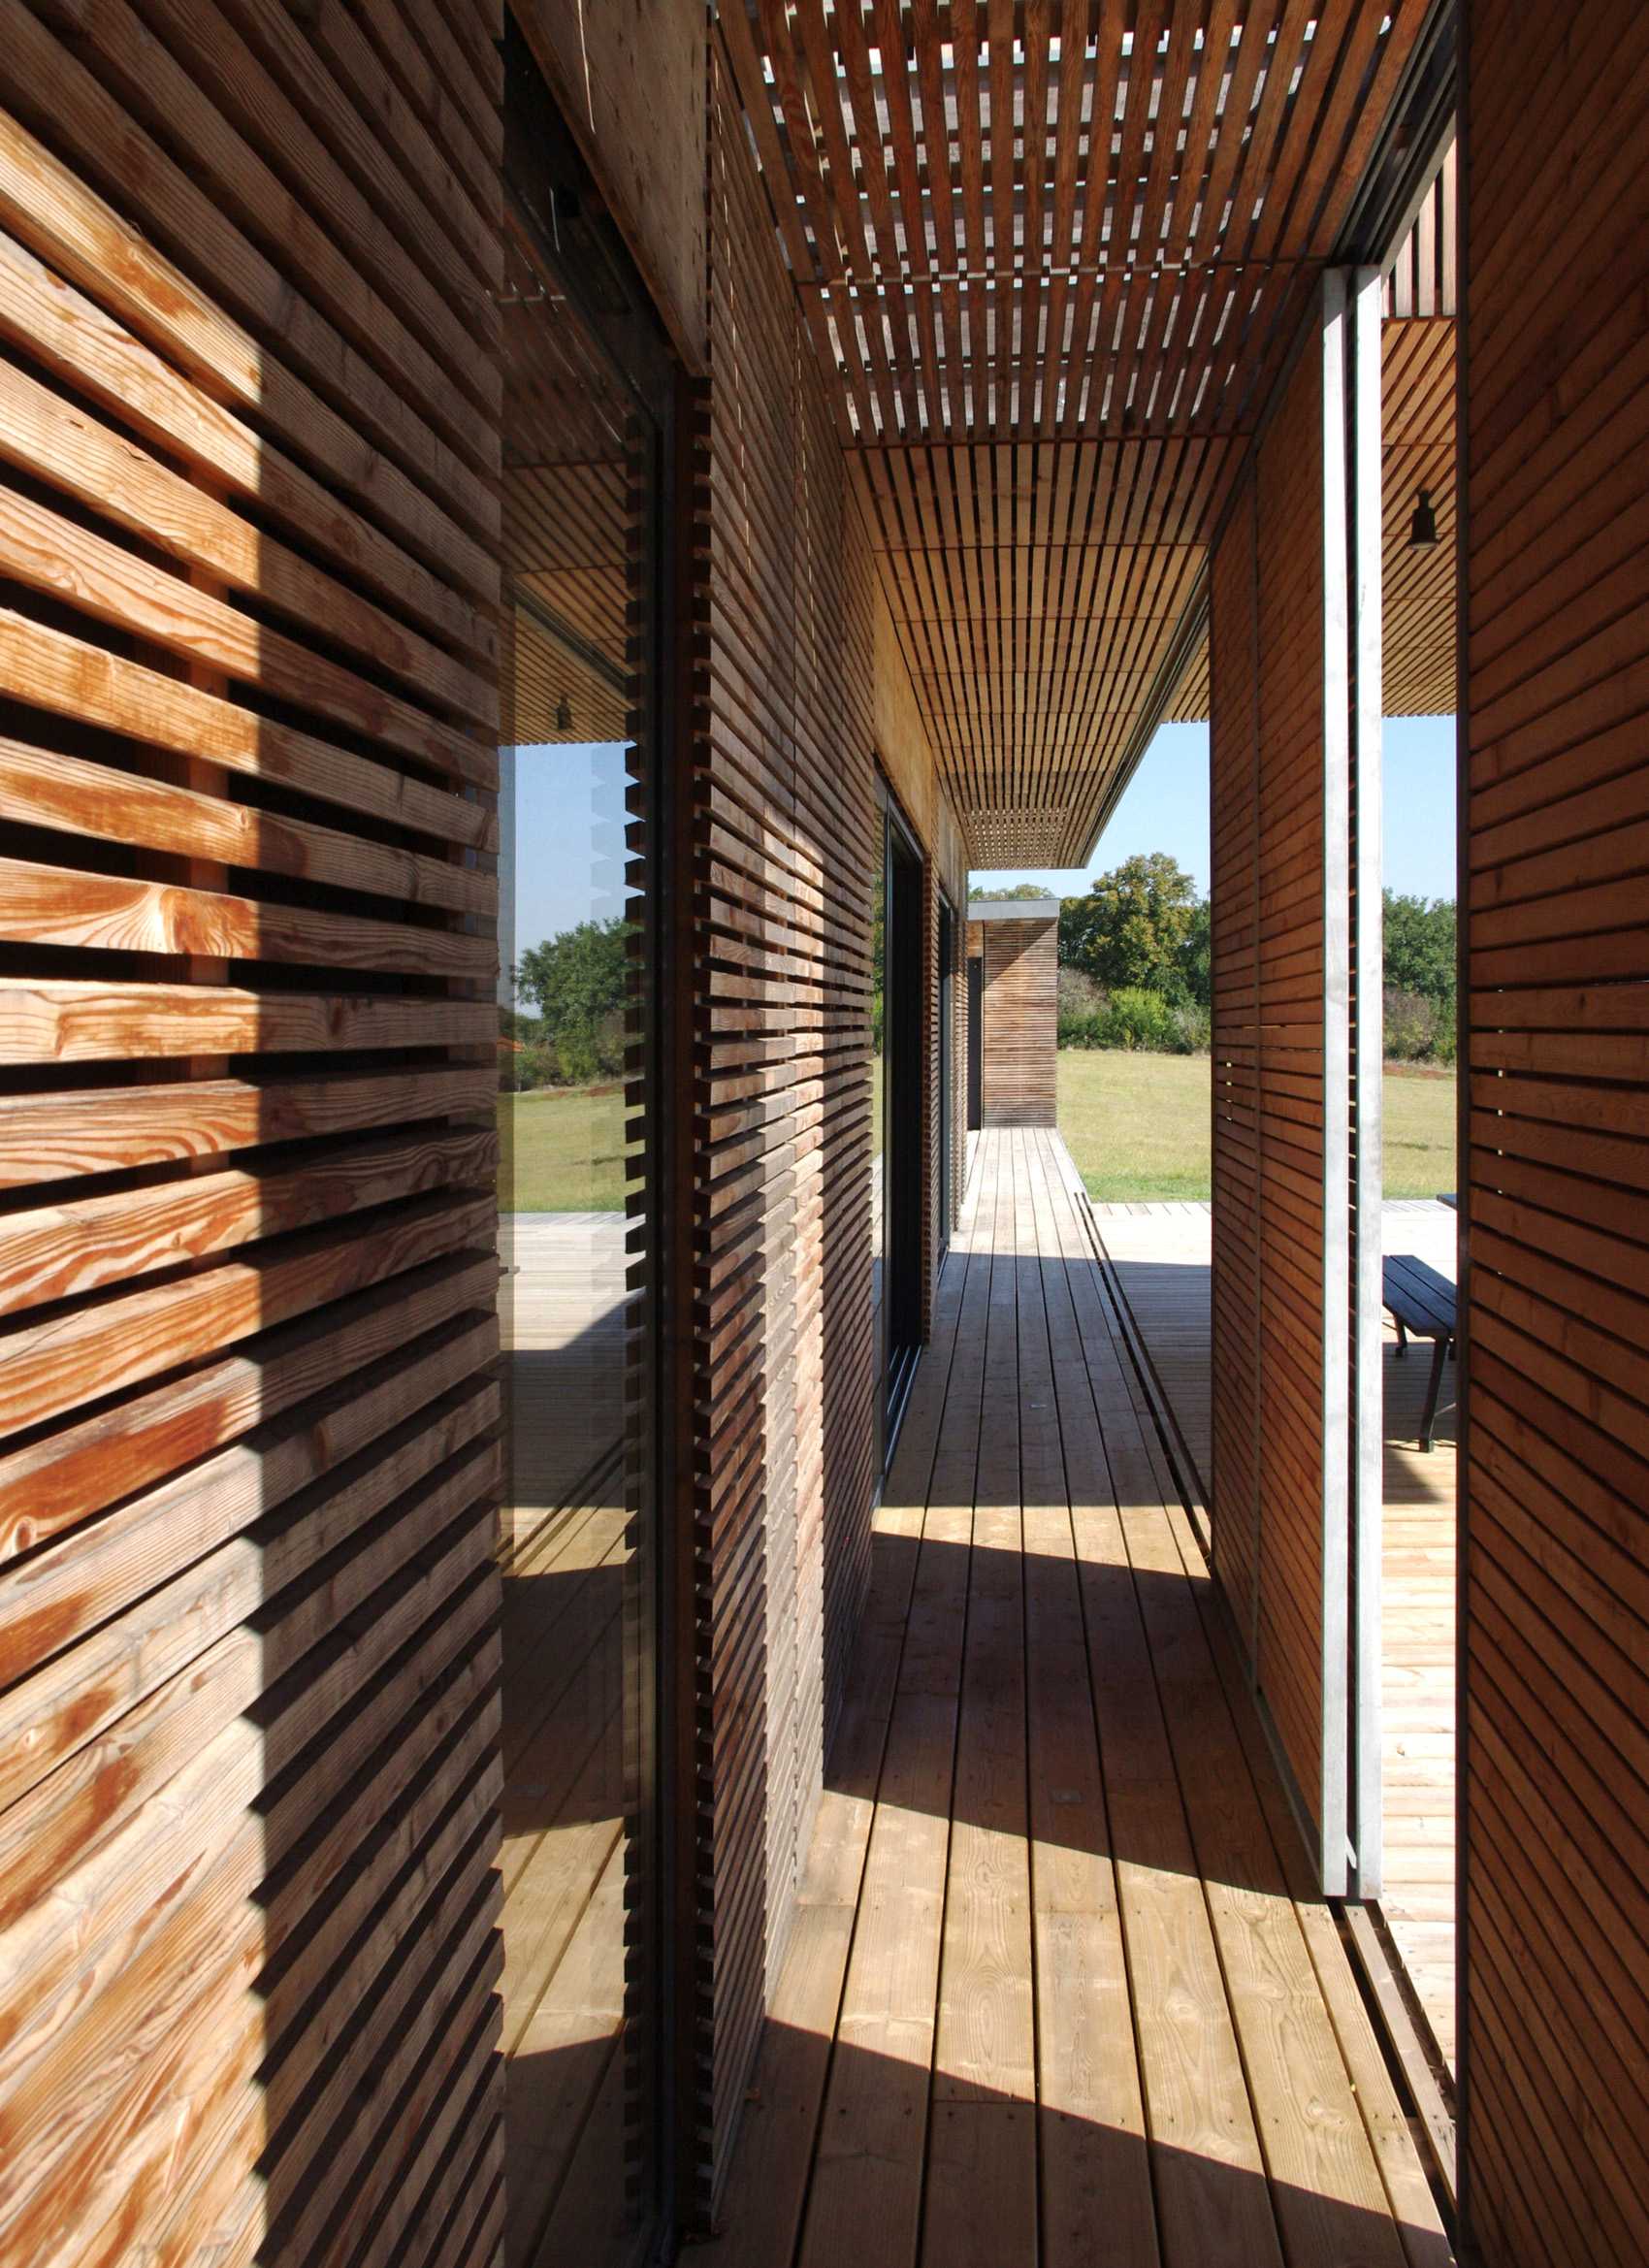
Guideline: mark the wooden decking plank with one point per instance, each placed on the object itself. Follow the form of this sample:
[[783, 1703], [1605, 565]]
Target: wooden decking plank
[[763, 2214], [1213, 2204], [1079, 1959], [1160, 1266], [559, 2059], [981, 2202], [1096, 2164], [871, 2160], [1330, 2201]]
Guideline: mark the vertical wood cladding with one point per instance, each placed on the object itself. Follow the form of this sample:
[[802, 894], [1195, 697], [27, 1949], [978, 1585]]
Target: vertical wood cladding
[[1022, 987], [1556, 1174], [794, 704], [1268, 839], [249, 402]]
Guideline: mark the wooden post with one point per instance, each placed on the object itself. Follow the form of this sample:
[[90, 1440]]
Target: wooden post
[[1368, 1477]]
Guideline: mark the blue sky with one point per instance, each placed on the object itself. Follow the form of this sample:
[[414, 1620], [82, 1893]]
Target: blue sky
[[567, 806], [567, 802], [1165, 808]]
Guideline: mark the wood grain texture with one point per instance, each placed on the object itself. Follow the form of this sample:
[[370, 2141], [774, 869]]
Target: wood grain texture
[[249, 435], [1050, 325], [798, 697], [629, 79], [1057, 1992], [1267, 744], [1020, 1061], [1555, 1455]]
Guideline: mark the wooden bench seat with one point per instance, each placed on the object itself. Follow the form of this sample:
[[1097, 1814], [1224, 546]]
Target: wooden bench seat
[[1422, 1303]]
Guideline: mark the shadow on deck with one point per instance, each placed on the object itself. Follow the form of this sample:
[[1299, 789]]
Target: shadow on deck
[[1159, 1254], [1056, 1990]]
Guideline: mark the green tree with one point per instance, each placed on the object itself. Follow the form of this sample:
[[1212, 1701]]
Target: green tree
[[1197, 956], [578, 981], [1420, 947], [1140, 925], [1019, 889]]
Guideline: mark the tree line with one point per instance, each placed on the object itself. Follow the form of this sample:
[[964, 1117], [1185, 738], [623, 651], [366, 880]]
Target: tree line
[[1134, 972], [1135, 969]]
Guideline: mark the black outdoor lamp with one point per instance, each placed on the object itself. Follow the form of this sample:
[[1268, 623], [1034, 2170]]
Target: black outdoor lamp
[[564, 708], [1423, 526]]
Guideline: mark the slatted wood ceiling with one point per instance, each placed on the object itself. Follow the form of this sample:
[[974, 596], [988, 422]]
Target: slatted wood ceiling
[[248, 516], [980, 264], [1035, 586], [1267, 945], [1424, 280], [565, 515], [786, 844], [1557, 1441]]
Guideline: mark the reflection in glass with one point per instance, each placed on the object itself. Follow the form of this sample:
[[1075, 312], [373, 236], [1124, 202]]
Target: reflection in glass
[[577, 1535]]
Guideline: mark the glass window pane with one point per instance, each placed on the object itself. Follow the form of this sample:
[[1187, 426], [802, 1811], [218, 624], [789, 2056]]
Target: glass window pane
[[578, 1535]]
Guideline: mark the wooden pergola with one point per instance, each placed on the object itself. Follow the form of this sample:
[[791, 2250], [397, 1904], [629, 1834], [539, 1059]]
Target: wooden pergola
[[763, 1750]]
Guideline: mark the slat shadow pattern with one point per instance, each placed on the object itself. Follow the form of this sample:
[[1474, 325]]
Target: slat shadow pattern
[[250, 401]]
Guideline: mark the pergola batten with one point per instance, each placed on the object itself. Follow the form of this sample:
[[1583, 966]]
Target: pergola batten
[[1003, 230]]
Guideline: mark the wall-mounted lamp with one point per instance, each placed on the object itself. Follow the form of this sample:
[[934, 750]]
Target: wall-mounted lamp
[[564, 708], [1423, 526]]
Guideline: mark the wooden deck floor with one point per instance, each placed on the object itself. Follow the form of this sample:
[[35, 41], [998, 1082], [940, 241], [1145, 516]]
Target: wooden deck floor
[[1054, 1994], [1160, 1255]]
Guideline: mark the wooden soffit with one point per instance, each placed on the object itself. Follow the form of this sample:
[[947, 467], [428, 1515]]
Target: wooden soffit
[[1083, 233]]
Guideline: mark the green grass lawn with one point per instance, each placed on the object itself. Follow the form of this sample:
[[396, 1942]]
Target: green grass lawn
[[1138, 1126], [562, 1150]]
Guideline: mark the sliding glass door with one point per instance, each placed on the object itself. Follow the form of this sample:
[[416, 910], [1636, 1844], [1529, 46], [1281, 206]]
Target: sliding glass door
[[901, 1073], [582, 635]]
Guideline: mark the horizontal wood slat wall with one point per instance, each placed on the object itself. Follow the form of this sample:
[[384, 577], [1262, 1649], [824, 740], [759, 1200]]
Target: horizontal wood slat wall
[[1267, 1043], [1556, 1162], [1238, 1127], [250, 404], [790, 714], [1020, 1064]]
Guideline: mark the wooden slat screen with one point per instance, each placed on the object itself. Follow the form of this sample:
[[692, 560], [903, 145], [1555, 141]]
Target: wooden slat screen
[[1020, 1065], [249, 404], [788, 840], [1556, 1190], [1417, 451], [1269, 1031], [788, 843], [1236, 1127]]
